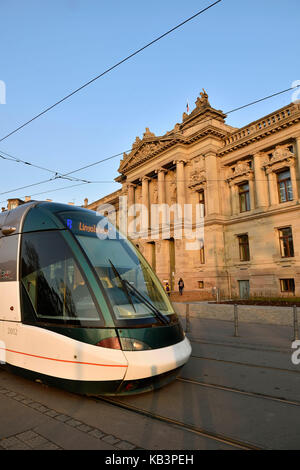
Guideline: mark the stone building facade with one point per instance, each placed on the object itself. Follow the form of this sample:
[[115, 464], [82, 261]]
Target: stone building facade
[[248, 181]]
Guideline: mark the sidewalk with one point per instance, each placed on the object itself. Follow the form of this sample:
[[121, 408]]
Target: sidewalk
[[66, 422]]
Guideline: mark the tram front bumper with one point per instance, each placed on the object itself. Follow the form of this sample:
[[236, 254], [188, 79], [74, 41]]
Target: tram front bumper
[[149, 363]]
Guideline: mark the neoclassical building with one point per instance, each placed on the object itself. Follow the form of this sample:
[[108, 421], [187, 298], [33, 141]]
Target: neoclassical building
[[248, 182]]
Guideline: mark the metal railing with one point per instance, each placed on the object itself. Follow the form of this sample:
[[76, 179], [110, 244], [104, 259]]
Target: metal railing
[[236, 321]]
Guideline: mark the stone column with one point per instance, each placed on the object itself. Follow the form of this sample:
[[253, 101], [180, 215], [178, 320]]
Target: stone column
[[251, 191], [297, 141], [235, 209], [273, 196], [161, 188], [131, 193], [163, 260], [212, 184], [260, 181], [145, 202], [161, 185], [180, 181], [180, 186], [294, 182], [130, 206]]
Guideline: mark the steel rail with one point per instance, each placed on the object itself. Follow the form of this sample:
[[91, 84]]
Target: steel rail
[[240, 392], [258, 366], [242, 445]]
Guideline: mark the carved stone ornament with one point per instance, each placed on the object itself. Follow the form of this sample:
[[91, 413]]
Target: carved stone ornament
[[197, 179], [281, 154], [240, 170], [136, 142]]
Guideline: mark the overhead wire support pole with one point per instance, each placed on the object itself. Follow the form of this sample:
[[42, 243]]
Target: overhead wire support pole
[[296, 326], [236, 324]]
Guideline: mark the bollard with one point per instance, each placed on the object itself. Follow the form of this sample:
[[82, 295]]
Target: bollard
[[296, 328], [187, 319], [236, 331]]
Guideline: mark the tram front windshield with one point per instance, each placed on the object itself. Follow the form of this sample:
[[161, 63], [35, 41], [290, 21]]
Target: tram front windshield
[[131, 286]]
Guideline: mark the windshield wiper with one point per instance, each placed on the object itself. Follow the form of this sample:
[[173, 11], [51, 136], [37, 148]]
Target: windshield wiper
[[123, 284], [156, 312]]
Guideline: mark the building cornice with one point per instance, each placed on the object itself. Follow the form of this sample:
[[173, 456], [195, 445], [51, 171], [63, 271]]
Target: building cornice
[[257, 130], [147, 151]]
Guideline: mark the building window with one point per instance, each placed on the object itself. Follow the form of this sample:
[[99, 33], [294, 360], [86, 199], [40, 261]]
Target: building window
[[286, 242], [284, 185], [202, 200], [201, 284], [244, 247], [287, 285], [244, 197], [202, 256]]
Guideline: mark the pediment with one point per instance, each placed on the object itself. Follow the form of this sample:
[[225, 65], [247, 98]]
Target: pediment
[[143, 149], [139, 153]]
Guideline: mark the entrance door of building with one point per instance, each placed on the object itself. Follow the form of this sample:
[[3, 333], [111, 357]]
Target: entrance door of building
[[244, 288]]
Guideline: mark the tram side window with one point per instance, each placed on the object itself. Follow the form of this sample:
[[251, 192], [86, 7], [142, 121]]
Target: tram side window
[[53, 281], [8, 258]]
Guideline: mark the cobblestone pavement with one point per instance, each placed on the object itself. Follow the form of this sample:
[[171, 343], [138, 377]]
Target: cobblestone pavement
[[32, 440]]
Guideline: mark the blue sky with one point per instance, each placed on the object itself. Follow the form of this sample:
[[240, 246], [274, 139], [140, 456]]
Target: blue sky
[[239, 51]]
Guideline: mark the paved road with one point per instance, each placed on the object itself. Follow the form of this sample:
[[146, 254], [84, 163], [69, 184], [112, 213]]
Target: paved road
[[244, 389]]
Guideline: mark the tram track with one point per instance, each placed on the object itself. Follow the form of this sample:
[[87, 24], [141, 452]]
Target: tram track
[[238, 391], [235, 443], [251, 346], [255, 366]]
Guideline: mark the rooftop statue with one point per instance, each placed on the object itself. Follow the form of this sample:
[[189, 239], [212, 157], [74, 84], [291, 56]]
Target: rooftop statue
[[148, 133], [202, 101]]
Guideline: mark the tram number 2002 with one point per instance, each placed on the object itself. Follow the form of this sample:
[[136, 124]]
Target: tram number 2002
[[12, 331]]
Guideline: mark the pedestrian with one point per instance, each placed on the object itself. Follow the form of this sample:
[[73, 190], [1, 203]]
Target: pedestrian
[[168, 289], [180, 285]]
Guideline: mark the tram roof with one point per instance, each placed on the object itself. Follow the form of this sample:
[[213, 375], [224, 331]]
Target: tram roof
[[15, 217]]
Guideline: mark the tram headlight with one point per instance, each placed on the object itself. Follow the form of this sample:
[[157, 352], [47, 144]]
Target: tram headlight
[[111, 343], [126, 344], [131, 344]]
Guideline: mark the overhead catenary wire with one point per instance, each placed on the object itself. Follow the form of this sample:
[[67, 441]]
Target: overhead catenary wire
[[202, 122], [263, 99], [9, 157], [46, 110], [52, 190], [65, 175]]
